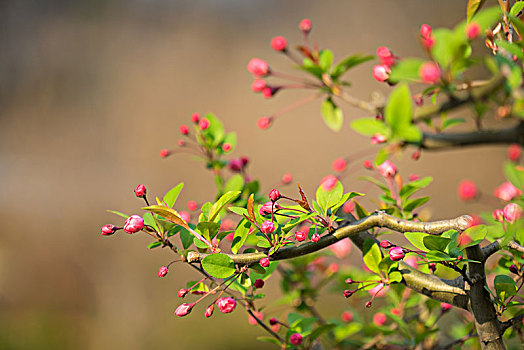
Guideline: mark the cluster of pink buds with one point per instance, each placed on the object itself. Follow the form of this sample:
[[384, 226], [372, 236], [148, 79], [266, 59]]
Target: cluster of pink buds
[[238, 165], [511, 213], [387, 59], [426, 34]]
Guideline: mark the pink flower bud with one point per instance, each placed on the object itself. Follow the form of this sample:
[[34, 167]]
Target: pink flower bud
[[192, 205], [348, 293], [184, 130], [267, 227], [514, 269], [386, 56], [467, 190], [287, 178], [305, 25], [411, 261], [266, 208], [259, 283], [387, 169], [506, 191], [270, 91], [258, 67], [184, 309], [347, 316], [339, 165], [348, 207], [425, 31], [379, 319], [429, 72], [209, 310], [445, 307], [415, 155], [368, 304], [273, 321], [195, 117], [244, 160], [274, 195], [185, 216], [226, 305], [349, 281], [162, 272], [236, 165], [385, 244], [498, 215], [264, 262], [514, 152], [295, 339], [203, 124], [164, 153], [315, 238], [133, 224], [140, 191], [341, 249], [413, 177], [396, 253], [472, 30], [279, 43], [432, 267], [377, 138], [300, 236], [368, 164], [183, 292], [419, 101], [428, 43], [258, 85], [181, 143], [328, 182], [512, 212], [395, 311], [381, 72], [108, 230], [264, 122]]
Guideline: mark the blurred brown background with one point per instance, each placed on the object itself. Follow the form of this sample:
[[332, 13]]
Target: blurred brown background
[[90, 91]]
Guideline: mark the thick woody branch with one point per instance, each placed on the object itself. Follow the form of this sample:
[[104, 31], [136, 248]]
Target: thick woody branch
[[491, 248], [488, 327], [443, 141], [449, 291], [515, 321], [377, 219]]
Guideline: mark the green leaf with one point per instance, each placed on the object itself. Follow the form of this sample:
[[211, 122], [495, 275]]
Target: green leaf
[[171, 196], [235, 183], [398, 114], [154, 245], [221, 202], [505, 287], [407, 190], [215, 129], [395, 276], [325, 328], [240, 235], [514, 175], [118, 213], [513, 49], [208, 229], [186, 237], [382, 155], [415, 203], [150, 221], [348, 63], [268, 271], [325, 60], [238, 210], [477, 234], [218, 265], [168, 213], [370, 127], [333, 116], [450, 122], [473, 7], [436, 243], [327, 199], [435, 255], [417, 239], [516, 8], [361, 211], [372, 256], [406, 69]]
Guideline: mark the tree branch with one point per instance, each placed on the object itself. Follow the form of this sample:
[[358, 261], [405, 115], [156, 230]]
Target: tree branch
[[449, 291], [511, 135], [515, 321], [493, 247], [487, 324]]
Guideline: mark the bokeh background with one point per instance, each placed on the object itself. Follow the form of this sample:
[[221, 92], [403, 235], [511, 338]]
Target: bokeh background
[[90, 91]]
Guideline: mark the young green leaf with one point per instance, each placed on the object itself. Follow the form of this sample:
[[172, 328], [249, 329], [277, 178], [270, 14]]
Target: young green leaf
[[218, 265], [221, 202], [333, 116], [171, 196]]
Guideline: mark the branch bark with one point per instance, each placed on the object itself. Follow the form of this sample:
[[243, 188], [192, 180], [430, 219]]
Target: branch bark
[[449, 291]]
